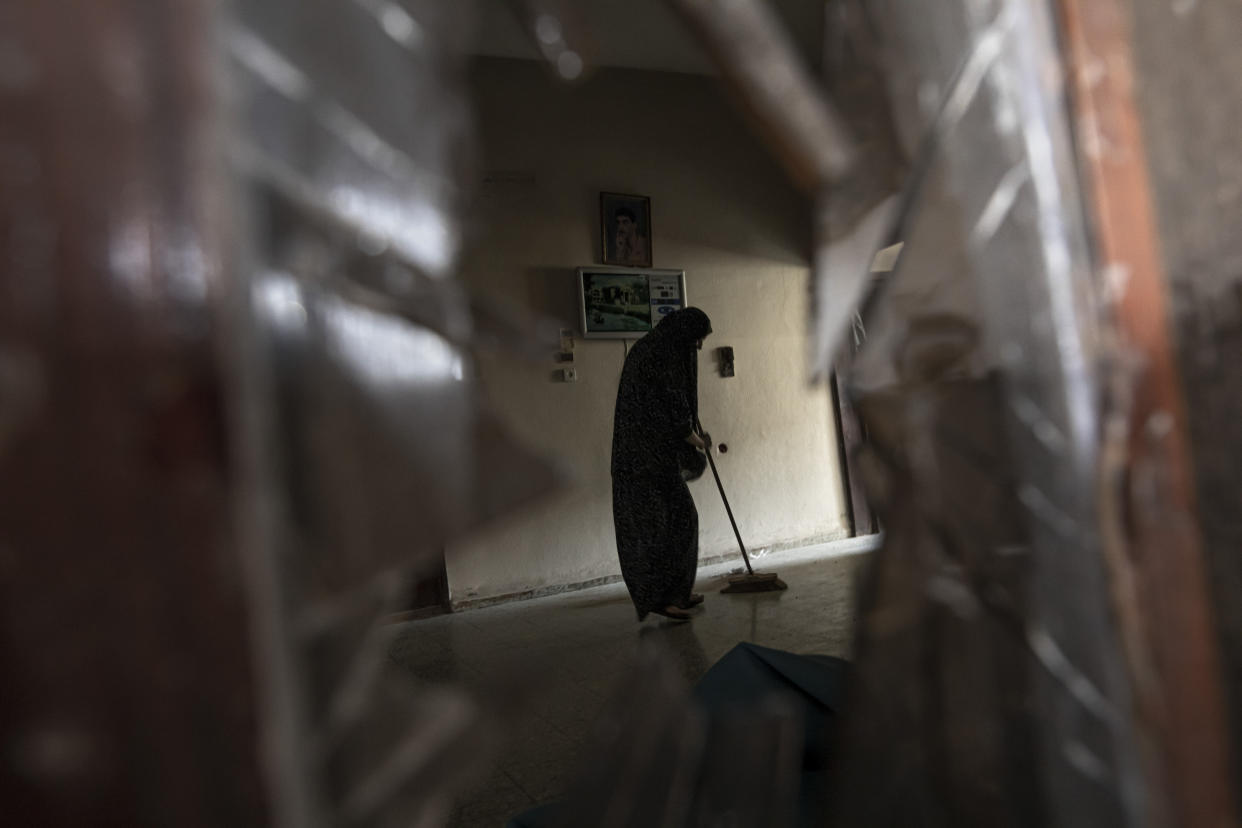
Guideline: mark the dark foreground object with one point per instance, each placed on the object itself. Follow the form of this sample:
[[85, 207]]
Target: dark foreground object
[[733, 697]]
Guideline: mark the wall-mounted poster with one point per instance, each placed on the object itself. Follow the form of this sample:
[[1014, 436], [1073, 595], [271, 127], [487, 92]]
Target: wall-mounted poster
[[626, 227], [625, 303]]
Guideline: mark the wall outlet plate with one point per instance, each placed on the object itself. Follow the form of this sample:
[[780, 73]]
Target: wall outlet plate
[[570, 374]]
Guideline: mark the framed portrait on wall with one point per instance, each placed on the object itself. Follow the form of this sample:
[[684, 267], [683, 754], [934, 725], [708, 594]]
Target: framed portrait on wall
[[626, 227]]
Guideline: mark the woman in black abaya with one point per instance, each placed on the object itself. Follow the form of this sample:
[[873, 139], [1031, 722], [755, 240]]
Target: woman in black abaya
[[657, 410]]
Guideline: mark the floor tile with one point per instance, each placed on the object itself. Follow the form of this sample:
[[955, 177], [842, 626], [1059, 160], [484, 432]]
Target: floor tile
[[556, 664]]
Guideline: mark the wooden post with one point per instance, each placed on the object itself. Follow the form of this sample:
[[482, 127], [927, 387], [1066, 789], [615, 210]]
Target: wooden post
[[1158, 549]]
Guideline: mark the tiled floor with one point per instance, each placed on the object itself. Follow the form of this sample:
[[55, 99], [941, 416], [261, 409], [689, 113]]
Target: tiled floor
[[552, 663]]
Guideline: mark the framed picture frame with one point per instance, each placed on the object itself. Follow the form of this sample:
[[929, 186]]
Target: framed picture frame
[[625, 229], [627, 302]]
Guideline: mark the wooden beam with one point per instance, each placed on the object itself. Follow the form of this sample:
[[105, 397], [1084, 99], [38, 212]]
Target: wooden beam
[[1157, 546]]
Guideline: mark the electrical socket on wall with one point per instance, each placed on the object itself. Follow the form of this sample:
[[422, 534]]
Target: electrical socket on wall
[[570, 374]]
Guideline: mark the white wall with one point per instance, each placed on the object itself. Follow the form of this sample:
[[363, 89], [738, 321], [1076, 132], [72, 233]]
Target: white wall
[[721, 210]]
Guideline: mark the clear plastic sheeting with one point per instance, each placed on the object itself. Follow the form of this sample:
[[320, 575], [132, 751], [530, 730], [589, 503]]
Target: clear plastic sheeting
[[319, 100], [350, 141], [979, 382], [757, 56]]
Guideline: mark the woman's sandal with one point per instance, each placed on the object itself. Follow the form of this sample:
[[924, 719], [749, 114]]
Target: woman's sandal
[[675, 613], [693, 601]]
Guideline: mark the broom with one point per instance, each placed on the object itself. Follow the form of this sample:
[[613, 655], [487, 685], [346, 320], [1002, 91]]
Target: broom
[[751, 581]]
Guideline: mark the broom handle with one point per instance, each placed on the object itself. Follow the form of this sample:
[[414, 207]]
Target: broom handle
[[728, 511]]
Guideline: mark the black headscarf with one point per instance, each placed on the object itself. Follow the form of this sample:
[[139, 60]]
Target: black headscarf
[[684, 327]]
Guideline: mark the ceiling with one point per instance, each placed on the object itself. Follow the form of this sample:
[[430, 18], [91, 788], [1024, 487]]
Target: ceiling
[[636, 34]]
